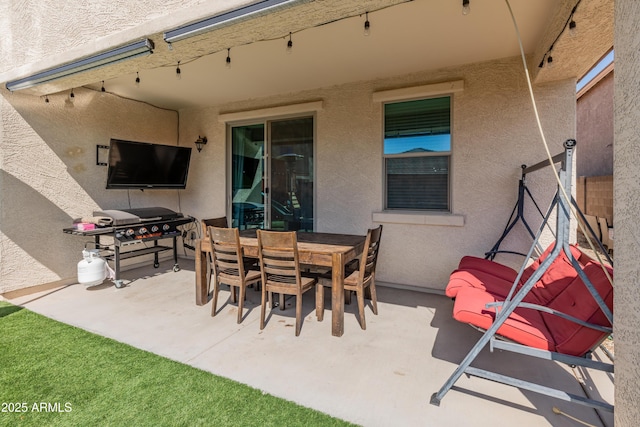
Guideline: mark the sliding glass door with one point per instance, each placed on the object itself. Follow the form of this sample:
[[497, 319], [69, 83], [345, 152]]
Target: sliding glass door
[[247, 176], [272, 175]]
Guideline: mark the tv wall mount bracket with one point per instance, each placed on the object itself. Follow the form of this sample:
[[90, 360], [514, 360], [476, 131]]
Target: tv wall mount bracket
[[98, 159]]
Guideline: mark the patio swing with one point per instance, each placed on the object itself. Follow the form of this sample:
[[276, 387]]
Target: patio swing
[[558, 308]]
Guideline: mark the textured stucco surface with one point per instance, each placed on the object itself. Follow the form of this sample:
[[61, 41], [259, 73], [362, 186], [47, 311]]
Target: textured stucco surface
[[49, 176], [575, 55], [59, 27], [626, 205], [595, 129], [494, 133]]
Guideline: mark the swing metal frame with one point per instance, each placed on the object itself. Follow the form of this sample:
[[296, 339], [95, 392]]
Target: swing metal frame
[[515, 300]]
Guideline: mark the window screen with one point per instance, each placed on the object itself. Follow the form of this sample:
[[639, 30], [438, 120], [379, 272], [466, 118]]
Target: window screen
[[417, 151]]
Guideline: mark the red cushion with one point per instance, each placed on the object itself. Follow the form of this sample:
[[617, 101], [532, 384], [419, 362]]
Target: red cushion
[[524, 326], [496, 286], [576, 300], [468, 278], [475, 265], [481, 264], [557, 277]]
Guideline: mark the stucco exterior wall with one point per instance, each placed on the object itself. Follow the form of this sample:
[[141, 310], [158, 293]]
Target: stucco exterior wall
[[626, 212], [494, 132], [45, 29], [49, 176], [595, 130]]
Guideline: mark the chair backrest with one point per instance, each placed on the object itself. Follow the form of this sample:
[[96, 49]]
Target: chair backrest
[[370, 254], [278, 252], [214, 222], [226, 253]]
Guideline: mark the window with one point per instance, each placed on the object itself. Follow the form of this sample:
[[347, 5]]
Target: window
[[417, 153]]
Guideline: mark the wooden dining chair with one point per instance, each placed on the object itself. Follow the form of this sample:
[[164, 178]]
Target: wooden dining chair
[[228, 266], [280, 268], [214, 222], [361, 279]]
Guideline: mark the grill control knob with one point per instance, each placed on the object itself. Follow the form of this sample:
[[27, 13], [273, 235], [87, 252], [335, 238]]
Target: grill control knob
[[154, 228], [143, 230], [166, 227], [130, 232]]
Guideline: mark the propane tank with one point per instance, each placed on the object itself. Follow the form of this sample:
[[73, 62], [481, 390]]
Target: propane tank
[[92, 269]]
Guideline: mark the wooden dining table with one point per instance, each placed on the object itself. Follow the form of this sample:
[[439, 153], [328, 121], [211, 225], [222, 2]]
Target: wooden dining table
[[317, 249]]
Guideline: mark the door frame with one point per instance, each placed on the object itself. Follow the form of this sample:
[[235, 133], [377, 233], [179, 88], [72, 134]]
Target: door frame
[[266, 122]]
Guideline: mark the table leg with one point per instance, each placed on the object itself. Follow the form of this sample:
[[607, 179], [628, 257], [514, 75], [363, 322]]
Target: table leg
[[337, 295], [202, 296]]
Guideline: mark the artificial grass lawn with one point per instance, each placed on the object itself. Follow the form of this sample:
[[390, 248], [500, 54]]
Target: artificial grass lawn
[[88, 380]]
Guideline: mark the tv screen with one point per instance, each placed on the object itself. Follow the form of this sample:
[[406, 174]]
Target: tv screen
[[143, 165]]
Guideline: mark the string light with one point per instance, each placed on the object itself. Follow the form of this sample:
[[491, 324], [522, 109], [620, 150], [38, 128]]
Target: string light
[[290, 45], [572, 28], [466, 8], [367, 28], [103, 90], [570, 25], [367, 25]]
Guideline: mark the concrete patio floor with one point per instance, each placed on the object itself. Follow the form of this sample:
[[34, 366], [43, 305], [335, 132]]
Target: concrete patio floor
[[383, 376]]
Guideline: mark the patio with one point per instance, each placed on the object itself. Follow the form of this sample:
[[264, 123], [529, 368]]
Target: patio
[[382, 376]]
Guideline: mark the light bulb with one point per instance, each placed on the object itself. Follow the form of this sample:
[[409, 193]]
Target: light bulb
[[367, 25], [466, 8], [228, 60], [573, 28], [71, 96], [178, 72], [103, 90], [290, 45], [46, 99], [137, 79], [549, 62]]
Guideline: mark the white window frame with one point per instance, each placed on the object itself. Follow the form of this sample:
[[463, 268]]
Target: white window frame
[[425, 217]]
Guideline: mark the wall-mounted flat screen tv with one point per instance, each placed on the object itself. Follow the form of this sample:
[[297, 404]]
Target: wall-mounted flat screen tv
[[140, 165]]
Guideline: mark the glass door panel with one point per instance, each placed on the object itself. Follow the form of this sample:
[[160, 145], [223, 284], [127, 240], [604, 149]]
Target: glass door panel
[[247, 176], [290, 196]]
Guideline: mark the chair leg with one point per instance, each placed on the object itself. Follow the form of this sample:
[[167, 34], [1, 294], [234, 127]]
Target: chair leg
[[298, 313], [232, 289], [214, 303], [360, 296], [319, 302], [263, 306], [241, 302], [281, 301], [347, 297], [374, 297]]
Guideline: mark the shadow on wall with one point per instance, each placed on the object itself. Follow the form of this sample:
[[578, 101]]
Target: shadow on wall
[[34, 223], [74, 130]]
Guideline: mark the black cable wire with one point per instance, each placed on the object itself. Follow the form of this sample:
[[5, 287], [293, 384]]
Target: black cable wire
[[573, 11]]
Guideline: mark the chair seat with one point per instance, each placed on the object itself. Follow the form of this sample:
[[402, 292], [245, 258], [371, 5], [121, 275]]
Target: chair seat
[[351, 281], [523, 326], [560, 288], [277, 287], [249, 276]]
